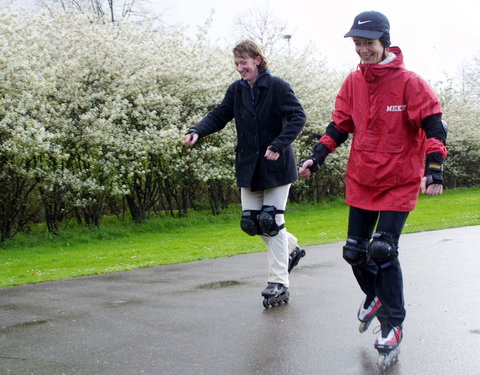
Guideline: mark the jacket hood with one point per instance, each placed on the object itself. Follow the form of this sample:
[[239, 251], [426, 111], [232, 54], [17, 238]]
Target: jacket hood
[[371, 72]]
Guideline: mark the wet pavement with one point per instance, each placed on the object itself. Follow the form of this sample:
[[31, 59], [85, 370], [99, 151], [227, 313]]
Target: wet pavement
[[207, 317]]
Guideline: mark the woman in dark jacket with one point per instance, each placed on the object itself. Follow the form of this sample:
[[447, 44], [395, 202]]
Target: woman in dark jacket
[[268, 118]]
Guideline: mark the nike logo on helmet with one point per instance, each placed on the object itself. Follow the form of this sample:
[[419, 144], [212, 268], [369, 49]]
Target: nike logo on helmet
[[362, 22]]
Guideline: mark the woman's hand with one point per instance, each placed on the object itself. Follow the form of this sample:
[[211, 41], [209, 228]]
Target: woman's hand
[[433, 189], [271, 155], [304, 170], [190, 139]]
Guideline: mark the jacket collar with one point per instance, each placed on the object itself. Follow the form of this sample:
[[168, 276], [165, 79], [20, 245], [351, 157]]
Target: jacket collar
[[259, 82], [372, 72]]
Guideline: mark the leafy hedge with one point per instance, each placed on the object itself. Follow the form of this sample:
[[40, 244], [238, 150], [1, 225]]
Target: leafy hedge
[[92, 116]]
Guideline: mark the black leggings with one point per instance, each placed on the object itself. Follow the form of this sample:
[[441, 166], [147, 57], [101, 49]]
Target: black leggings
[[385, 283]]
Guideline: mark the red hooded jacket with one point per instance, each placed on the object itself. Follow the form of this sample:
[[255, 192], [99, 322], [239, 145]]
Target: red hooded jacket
[[383, 105]]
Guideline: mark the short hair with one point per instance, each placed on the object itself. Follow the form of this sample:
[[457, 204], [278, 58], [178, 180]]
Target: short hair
[[253, 50]]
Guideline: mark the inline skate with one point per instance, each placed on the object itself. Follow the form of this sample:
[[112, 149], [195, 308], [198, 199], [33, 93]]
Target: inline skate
[[388, 345], [275, 294], [294, 257], [366, 314]]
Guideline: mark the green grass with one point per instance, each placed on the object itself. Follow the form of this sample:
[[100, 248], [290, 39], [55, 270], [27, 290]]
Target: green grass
[[117, 246]]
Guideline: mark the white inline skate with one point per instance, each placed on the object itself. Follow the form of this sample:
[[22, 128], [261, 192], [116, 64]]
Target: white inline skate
[[387, 344], [367, 314]]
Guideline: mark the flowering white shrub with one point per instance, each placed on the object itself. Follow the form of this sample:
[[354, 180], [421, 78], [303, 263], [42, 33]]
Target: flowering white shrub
[[461, 110], [94, 112], [316, 86]]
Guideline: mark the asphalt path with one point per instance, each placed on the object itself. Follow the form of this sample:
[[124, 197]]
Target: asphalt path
[[207, 317]]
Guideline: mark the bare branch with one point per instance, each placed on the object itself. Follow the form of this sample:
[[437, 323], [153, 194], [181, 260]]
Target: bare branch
[[263, 26], [135, 10]]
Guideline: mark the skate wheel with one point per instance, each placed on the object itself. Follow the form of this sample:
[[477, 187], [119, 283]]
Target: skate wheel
[[265, 303], [381, 362], [364, 326]]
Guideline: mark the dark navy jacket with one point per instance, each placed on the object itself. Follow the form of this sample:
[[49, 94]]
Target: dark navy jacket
[[273, 116]]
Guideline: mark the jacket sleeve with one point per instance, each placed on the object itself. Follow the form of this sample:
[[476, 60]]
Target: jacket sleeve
[[218, 117], [293, 114], [424, 109], [333, 137], [421, 100], [342, 124], [436, 134]]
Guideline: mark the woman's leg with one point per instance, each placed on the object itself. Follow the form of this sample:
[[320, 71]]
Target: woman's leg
[[278, 245], [360, 228], [389, 281]]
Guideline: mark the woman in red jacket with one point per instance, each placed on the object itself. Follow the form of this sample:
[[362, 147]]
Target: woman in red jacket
[[395, 119]]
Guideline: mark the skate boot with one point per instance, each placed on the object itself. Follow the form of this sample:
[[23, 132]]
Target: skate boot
[[275, 294], [387, 344], [294, 257], [367, 314]]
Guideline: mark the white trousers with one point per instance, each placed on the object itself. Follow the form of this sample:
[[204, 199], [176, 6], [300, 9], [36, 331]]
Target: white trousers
[[279, 246]]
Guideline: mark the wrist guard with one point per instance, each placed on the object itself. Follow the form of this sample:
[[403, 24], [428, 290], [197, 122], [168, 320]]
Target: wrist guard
[[320, 152], [434, 169]]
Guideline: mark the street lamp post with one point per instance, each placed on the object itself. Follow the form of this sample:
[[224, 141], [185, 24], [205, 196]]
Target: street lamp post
[[287, 37]]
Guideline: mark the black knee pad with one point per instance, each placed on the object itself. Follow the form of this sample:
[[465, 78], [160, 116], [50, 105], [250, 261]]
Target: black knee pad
[[383, 249], [355, 251], [267, 223], [249, 222]]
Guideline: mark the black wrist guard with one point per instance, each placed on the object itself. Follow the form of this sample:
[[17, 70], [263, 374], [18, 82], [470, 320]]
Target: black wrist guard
[[434, 169], [320, 152]]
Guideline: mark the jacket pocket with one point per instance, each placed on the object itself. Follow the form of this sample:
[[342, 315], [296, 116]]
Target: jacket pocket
[[375, 143], [275, 165]]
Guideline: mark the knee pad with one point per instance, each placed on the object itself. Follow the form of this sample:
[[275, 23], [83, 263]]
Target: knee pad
[[249, 222], [383, 249], [267, 223], [355, 252]]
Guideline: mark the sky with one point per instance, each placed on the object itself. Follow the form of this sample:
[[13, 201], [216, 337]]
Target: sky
[[436, 37]]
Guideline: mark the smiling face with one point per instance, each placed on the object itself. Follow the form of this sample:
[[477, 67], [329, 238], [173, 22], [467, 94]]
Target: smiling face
[[370, 51], [247, 67]]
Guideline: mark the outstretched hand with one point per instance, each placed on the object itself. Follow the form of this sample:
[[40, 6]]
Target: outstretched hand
[[433, 189], [190, 139]]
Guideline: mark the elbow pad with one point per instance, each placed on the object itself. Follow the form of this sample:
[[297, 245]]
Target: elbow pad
[[338, 136], [435, 127]]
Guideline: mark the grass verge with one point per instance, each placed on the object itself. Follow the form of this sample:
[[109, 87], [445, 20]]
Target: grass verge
[[119, 245]]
